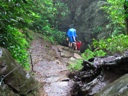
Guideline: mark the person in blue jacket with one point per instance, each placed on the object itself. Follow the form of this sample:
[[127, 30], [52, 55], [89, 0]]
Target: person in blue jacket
[[71, 34]]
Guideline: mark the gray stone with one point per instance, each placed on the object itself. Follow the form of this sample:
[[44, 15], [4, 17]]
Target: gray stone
[[77, 56], [118, 88], [66, 54], [72, 59], [14, 77]]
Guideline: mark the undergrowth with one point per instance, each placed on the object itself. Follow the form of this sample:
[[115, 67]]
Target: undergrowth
[[16, 43], [116, 44]]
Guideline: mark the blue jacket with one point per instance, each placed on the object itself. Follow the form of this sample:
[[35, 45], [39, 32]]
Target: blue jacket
[[71, 32]]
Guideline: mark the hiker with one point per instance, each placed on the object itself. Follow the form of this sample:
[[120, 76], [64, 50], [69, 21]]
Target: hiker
[[78, 44], [71, 37]]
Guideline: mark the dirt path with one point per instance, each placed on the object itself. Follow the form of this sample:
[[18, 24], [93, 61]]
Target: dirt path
[[50, 68]]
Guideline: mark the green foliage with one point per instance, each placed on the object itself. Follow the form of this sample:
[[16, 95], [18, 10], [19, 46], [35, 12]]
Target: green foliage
[[52, 35], [50, 14], [17, 45], [15, 17], [116, 15], [113, 44], [99, 53], [116, 11], [45, 11], [91, 54], [76, 66], [87, 54], [98, 29], [16, 13]]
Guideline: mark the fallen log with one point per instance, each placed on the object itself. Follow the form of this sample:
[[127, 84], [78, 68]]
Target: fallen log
[[95, 73]]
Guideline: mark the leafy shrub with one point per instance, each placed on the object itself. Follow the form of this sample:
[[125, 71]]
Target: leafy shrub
[[87, 54], [15, 42], [52, 35], [76, 66], [113, 44], [91, 54], [116, 16]]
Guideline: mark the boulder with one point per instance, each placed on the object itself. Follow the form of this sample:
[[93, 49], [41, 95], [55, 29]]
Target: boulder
[[117, 88], [12, 75], [77, 56], [66, 54]]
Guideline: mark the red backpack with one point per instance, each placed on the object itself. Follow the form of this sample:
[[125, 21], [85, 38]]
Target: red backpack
[[78, 44]]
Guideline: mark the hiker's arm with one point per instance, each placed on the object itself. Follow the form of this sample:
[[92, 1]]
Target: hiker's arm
[[74, 38]]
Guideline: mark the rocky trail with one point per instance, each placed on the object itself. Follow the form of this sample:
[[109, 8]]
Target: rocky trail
[[50, 67]]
